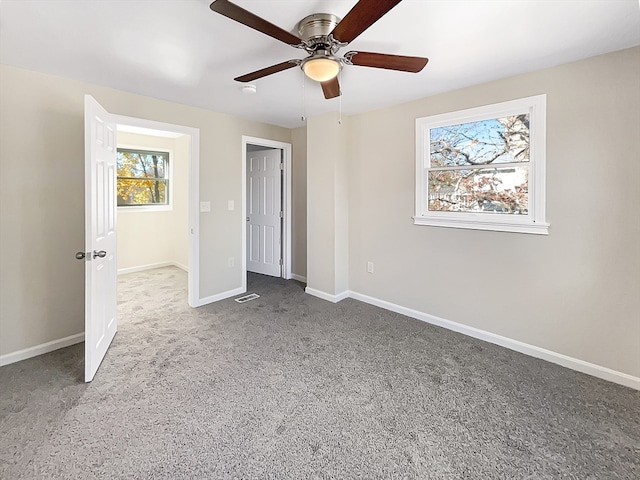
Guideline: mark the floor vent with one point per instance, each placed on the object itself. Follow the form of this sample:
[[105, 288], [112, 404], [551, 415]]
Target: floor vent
[[246, 298]]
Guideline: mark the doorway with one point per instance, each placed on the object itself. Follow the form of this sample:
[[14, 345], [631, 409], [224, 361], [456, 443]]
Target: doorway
[[100, 128], [152, 225], [266, 207], [188, 139]]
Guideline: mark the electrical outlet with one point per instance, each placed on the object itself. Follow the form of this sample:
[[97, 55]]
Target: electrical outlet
[[370, 267], [205, 206], [230, 262], [231, 205]]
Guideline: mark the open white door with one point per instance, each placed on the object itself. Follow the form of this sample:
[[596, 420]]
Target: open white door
[[100, 234], [264, 212]]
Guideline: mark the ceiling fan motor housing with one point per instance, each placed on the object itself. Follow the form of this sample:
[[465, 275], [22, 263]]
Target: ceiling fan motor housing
[[315, 29]]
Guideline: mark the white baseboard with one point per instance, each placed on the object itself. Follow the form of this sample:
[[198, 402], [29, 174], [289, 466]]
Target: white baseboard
[[36, 350], [537, 352], [181, 266], [299, 278], [151, 266], [219, 296], [327, 296]]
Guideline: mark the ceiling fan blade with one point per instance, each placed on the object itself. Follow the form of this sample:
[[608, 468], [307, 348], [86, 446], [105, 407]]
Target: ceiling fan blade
[[267, 71], [331, 88], [390, 62], [239, 14], [364, 14]]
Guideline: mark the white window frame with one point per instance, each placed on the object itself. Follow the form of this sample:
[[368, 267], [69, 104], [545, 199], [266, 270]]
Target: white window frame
[[160, 207], [534, 222]]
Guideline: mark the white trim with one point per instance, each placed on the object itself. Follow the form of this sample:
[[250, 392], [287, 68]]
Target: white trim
[[533, 222], [220, 296], [531, 350], [181, 266], [286, 207], [151, 266], [300, 278], [161, 207], [479, 224], [194, 220], [194, 194], [36, 350], [146, 208], [327, 296]]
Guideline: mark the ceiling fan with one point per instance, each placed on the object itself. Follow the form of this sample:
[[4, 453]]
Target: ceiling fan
[[321, 35]]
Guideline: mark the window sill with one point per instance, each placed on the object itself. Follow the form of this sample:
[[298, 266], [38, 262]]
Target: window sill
[[151, 208], [536, 228]]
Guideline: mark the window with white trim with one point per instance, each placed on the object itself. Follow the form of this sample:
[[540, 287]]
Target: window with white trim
[[143, 178], [483, 168]]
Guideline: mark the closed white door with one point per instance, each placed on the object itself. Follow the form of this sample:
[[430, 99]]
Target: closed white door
[[264, 210], [100, 234]]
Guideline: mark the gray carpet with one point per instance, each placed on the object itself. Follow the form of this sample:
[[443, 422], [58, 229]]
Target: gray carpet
[[289, 386]]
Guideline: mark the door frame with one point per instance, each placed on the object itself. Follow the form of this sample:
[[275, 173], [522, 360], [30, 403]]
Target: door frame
[[193, 265], [286, 202]]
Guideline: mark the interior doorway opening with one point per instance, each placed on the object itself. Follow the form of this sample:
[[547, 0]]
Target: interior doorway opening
[[152, 235], [183, 142], [266, 207]]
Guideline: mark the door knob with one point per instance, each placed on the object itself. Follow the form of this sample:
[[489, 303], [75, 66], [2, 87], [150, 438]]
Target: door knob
[[80, 255], [100, 254]]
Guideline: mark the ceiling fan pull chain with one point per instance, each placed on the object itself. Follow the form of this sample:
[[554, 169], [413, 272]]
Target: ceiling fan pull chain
[[340, 99], [304, 103]]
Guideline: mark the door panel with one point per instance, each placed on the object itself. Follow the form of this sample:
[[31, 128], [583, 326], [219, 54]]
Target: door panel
[[264, 203], [100, 235]]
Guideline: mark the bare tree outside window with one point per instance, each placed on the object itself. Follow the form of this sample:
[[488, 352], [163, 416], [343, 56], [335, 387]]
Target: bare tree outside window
[[480, 166]]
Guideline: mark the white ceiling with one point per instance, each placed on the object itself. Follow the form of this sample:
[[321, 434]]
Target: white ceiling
[[179, 50]]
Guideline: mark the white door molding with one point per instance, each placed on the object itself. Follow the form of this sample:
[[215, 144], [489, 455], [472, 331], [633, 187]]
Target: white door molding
[[286, 205]]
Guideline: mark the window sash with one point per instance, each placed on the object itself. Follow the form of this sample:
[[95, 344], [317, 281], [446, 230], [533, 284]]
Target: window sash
[[479, 167], [509, 199], [533, 221], [146, 179], [163, 180]]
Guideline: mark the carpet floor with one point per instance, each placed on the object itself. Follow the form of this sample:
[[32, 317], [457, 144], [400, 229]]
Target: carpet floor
[[288, 386]]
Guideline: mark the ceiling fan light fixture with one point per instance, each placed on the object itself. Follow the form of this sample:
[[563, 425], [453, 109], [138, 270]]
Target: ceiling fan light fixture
[[321, 69]]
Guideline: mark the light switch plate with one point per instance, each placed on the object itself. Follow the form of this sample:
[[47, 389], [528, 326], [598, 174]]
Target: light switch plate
[[231, 205], [205, 206]]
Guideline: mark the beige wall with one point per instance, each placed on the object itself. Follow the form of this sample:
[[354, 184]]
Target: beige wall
[[575, 291], [327, 205], [42, 198], [153, 237], [299, 202]]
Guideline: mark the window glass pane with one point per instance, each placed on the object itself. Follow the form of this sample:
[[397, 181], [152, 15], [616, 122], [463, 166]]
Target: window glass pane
[[133, 191], [497, 140], [140, 164], [494, 190], [142, 177]]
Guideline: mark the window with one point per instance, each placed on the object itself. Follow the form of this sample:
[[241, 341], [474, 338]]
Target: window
[[143, 178], [483, 168]]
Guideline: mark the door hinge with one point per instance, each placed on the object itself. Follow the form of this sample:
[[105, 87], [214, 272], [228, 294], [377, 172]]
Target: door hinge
[[282, 166], [280, 262], [281, 214]]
